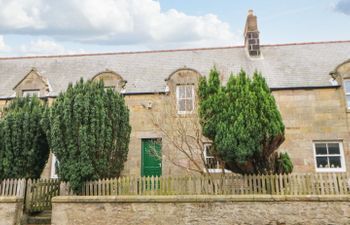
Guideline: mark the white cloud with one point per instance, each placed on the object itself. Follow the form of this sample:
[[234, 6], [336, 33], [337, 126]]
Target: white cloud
[[44, 47], [3, 46], [2, 43], [20, 14], [115, 22]]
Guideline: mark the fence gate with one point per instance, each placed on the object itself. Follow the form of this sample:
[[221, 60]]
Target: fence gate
[[39, 194]]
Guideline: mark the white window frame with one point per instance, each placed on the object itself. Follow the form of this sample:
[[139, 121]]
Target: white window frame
[[206, 156], [31, 93], [53, 167], [185, 98], [347, 93], [341, 154], [113, 87]]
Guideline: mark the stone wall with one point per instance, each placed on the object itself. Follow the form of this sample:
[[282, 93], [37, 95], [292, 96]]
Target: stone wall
[[201, 210], [309, 115], [312, 115], [11, 209]]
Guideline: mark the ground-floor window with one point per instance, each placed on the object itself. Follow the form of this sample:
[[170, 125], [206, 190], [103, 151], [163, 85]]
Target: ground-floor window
[[211, 162], [329, 156], [54, 164]]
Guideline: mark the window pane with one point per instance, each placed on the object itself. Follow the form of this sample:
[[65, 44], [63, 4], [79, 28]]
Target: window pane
[[321, 149], [322, 162], [189, 91], [181, 90], [212, 163], [207, 150], [189, 106], [182, 105], [347, 86], [348, 100], [333, 148], [334, 162], [30, 93]]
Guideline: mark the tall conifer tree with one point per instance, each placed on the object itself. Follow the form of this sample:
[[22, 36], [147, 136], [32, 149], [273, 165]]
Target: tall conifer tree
[[88, 129], [23, 145], [243, 122]]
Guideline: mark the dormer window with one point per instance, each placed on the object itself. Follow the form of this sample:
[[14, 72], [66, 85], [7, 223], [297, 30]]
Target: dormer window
[[30, 93], [185, 98], [180, 87], [111, 80], [347, 92], [32, 84], [109, 87]]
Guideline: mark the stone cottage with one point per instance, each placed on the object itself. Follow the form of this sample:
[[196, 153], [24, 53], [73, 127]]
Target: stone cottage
[[310, 81]]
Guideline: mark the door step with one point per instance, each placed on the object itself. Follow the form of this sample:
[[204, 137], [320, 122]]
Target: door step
[[43, 218]]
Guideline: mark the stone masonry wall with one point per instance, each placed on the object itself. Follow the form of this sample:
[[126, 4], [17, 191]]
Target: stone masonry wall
[[308, 114], [312, 115], [201, 210], [10, 210]]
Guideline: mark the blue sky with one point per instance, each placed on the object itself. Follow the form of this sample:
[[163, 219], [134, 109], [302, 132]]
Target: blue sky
[[279, 21], [46, 27]]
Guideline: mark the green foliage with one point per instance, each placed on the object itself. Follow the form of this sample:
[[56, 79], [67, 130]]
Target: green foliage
[[242, 120], [283, 163], [23, 145], [89, 132]]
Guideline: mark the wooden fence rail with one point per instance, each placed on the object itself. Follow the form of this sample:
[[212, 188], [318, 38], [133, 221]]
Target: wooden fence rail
[[291, 184], [12, 187]]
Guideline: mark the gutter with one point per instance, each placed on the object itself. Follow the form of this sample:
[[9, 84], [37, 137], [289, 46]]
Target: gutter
[[164, 92], [304, 88]]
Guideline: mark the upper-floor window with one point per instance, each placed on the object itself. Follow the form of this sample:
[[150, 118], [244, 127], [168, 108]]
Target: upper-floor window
[[329, 156], [32, 84], [31, 93], [185, 98], [111, 80], [347, 92], [109, 87]]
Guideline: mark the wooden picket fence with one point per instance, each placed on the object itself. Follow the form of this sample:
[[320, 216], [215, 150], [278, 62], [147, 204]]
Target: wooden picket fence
[[39, 194], [12, 187], [231, 184]]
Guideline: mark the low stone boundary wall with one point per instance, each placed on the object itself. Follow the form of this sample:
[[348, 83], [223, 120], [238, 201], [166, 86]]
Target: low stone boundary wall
[[11, 209], [201, 210]]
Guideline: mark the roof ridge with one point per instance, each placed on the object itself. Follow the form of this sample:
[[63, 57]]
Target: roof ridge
[[120, 53], [306, 43], [166, 50]]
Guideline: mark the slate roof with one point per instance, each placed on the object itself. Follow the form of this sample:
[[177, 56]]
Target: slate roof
[[284, 66]]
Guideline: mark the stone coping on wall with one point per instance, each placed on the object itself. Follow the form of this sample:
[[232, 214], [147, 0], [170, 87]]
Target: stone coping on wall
[[200, 198], [10, 199]]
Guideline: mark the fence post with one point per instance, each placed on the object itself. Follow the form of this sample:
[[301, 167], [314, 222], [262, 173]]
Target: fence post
[[28, 195], [23, 188], [64, 189]]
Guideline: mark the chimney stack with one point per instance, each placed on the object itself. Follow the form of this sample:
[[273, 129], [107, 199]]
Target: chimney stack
[[251, 35]]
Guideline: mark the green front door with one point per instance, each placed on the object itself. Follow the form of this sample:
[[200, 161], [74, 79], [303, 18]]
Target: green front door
[[151, 157]]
